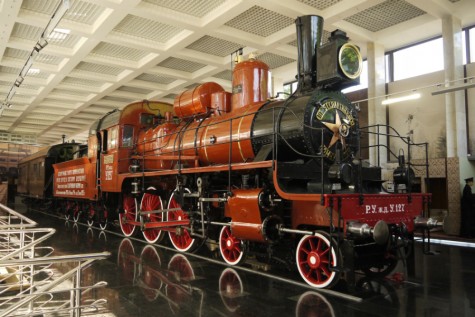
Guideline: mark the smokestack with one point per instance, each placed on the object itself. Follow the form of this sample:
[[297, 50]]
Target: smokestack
[[309, 35]]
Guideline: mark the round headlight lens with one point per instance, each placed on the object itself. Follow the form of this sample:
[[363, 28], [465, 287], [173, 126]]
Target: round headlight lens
[[351, 62]]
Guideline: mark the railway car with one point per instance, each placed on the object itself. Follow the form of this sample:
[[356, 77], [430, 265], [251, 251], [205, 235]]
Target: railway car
[[35, 172], [282, 180]]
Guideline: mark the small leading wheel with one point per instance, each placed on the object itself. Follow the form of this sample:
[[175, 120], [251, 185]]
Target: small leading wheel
[[130, 214], [315, 260], [231, 248], [151, 202], [182, 242]]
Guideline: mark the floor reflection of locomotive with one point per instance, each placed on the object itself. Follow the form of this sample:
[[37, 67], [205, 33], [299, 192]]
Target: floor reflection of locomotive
[[280, 177], [172, 282], [176, 281], [380, 292]]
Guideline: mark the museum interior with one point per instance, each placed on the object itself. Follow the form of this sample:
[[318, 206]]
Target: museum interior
[[237, 158]]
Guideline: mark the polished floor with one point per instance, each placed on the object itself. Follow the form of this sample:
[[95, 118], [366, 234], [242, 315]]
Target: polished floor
[[150, 280]]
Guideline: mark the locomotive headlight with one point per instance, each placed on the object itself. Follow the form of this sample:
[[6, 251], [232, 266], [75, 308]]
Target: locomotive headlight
[[350, 60]]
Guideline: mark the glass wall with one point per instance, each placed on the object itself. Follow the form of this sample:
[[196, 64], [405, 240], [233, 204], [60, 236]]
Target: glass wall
[[419, 59]]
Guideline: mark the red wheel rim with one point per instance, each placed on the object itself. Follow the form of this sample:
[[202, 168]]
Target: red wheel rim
[[152, 202], [183, 242], [129, 214], [314, 260], [230, 247]]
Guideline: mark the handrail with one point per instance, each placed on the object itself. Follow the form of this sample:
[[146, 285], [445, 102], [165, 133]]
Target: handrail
[[23, 290], [6, 220]]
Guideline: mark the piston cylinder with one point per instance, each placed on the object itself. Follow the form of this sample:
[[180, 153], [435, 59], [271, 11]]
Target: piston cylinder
[[243, 208]]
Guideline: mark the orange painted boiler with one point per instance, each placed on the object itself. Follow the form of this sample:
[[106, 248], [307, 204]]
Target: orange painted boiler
[[210, 140]]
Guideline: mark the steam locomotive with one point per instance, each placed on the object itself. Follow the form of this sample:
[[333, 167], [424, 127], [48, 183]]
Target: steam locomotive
[[279, 179]]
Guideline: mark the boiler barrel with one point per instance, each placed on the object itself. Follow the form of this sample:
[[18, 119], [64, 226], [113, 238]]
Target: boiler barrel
[[286, 118]]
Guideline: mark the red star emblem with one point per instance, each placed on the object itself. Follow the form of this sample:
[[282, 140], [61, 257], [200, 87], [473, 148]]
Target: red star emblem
[[335, 128]]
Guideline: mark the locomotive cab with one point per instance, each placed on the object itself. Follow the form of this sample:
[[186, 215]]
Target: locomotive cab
[[116, 135]]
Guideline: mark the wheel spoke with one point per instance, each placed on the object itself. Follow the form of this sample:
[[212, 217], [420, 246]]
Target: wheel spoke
[[319, 276], [183, 241], [326, 270], [129, 214], [151, 202]]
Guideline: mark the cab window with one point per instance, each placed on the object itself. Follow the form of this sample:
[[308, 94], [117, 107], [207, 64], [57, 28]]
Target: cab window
[[112, 138], [127, 136]]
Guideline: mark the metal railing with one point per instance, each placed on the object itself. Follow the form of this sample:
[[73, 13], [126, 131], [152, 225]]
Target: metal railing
[[31, 278]]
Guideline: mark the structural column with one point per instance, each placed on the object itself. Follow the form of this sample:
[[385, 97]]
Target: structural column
[[376, 88], [454, 101], [456, 116]]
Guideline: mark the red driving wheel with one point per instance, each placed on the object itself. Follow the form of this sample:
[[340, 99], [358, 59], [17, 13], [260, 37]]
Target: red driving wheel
[[151, 202], [182, 242], [130, 214]]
